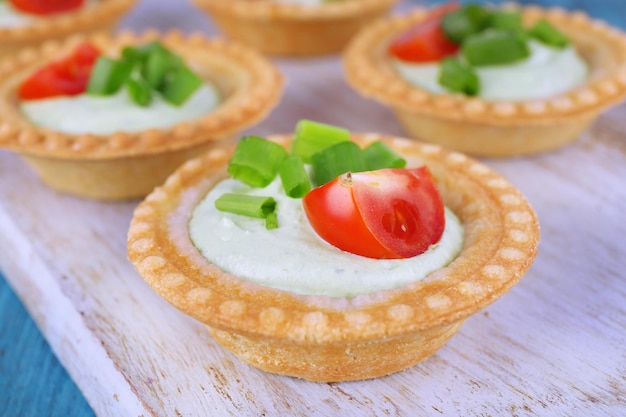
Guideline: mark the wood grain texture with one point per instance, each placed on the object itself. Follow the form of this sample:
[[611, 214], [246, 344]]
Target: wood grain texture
[[552, 346]]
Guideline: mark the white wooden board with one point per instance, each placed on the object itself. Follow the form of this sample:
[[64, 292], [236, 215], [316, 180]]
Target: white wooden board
[[553, 346]]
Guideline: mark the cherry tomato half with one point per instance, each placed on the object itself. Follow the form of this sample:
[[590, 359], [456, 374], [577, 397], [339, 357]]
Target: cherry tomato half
[[426, 42], [46, 6], [388, 213], [65, 77]]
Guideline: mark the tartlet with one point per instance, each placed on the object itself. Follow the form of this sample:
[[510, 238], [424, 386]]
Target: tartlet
[[128, 165], [323, 338], [293, 29], [494, 128], [102, 16]]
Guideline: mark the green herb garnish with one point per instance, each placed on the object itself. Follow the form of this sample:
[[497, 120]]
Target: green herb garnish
[[311, 137], [495, 47], [458, 77], [331, 162], [294, 177], [464, 22], [145, 70], [249, 205], [378, 156], [108, 76], [257, 161], [544, 32]]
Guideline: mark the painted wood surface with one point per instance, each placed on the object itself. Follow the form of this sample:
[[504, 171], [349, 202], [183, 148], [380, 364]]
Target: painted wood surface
[[555, 345]]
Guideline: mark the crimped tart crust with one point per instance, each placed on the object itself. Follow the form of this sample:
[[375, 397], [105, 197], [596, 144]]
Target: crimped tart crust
[[249, 84], [494, 128], [99, 17], [293, 29], [336, 339]]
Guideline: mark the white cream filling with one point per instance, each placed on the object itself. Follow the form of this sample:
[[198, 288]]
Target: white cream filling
[[105, 115], [12, 18], [293, 257], [546, 73]]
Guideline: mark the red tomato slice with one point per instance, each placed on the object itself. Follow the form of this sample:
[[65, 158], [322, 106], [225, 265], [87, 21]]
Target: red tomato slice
[[388, 213], [46, 6], [426, 42], [67, 76]]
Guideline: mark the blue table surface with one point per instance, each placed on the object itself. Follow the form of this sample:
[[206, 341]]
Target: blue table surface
[[32, 381]]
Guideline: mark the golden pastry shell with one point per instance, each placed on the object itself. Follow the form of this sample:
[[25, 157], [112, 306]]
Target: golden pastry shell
[[102, 16], [250, 86], [334, 339], [479, 126], [128, 165], [293, 29]]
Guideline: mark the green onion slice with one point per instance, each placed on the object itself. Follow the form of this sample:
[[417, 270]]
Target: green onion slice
[[108, 76], [311, 137], [141, 52], [506, 20], [179, 85], [464, 22], [271, 221], [157, 65], [378, 156], [458, 77], [246, 205], [139, 91], [495, 47], [256, 160], [294, 177], [544, 32], [335, 160], [144, 68]]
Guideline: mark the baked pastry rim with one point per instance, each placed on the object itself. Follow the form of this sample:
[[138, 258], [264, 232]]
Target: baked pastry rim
[[50, 25], [367, 69], [493, 259], [291, 11], [246, 105]]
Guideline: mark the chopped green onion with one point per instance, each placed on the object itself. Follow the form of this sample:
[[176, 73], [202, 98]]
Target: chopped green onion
[[464, 22], [139, 91], [141, 52], [335, 160], [246, 205], [271, 221], [179, 85], [458, 77], [548, 34], [294, 177], [143, 69], [506, 20], [108, 76], [495, 47], [311, 137], [157, 64], [256, 160], [378, 155]]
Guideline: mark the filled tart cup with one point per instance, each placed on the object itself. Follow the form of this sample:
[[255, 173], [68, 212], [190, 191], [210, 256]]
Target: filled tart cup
[[126, 165], [291, 29], [494, 128], [327, 338], [103, 15]]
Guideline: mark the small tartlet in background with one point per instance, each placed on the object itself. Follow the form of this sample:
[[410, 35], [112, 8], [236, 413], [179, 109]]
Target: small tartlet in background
[[128, 165], [494, 128], [290, 29], [104, 15]]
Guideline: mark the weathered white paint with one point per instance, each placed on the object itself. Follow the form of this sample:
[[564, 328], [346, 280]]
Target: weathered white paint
[[553, 346]]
